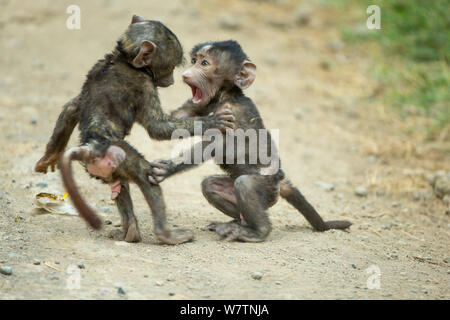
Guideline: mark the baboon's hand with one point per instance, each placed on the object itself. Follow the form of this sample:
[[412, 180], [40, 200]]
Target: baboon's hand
[[48, 160], [161, 169], [223, 119]]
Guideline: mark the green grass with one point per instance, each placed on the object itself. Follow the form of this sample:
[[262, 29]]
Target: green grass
[[413, 52]]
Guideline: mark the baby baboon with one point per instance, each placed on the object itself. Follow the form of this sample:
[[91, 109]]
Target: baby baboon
[[219, 73], [119, 90]]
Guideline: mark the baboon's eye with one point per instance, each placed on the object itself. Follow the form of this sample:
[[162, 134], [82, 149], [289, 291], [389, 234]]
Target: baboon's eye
[[205, 62], [194, 60]]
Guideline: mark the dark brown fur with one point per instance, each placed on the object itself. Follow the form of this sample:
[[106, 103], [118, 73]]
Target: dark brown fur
[[121, 89], [244, 192]]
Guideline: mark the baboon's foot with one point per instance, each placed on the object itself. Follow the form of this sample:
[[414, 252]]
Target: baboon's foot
[[176, 236], [132, 234], [213, 225], [235, 231]]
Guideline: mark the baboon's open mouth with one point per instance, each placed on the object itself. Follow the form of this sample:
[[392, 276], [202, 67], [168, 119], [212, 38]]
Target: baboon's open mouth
[[197, 94]]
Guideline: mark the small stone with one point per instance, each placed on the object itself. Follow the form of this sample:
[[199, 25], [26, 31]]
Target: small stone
[[36, 63], [417, 196], [36, 262], [80, 265], [278, 283], [257, 275], [446, 200], [335, 45], [229, 22], [302, 15], [13, 255], [7, 271], [108, 222], [277, 23], [298, 114], [19, 218], [170, 278], [389, 227], [104, 209], [372, 158], [396, 204], [442, 186], [325, 186], [432, 178], [159, 283], [104, 292], [354, 266], [447, 260], [120, 290], [33, 120], [41, 184], [28, 186], [171, 293], [325, 64], [380, 193], [361, 192]]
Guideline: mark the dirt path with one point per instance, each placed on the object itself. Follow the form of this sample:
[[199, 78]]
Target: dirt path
[[309, 86]]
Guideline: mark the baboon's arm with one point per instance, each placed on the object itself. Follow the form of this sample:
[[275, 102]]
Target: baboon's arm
[[160, 125], [65, 124]]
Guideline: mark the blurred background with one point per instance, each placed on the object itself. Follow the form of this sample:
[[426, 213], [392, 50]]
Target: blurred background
[[364, 126]]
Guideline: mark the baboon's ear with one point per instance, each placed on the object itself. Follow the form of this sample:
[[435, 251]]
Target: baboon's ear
[[145, 55], [136, 18], [246, 75]]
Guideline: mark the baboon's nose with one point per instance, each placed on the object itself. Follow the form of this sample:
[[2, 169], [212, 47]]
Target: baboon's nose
[[186, 75]]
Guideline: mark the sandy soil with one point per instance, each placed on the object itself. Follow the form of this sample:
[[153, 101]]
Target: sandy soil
[[309, 85]]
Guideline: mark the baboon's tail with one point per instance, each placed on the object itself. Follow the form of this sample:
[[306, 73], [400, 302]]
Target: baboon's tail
[[296, 199], [65, 165]]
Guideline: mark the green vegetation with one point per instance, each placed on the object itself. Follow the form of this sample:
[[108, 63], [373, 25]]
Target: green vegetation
[[413, 52]]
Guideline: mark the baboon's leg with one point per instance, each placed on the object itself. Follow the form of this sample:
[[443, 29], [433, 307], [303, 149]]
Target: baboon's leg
[[154, 197], [219, 191], [135, 168], [130, 229], [295, 198], [254, 194]]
